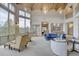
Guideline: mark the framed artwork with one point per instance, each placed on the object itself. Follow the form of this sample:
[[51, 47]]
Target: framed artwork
[[56, 27]]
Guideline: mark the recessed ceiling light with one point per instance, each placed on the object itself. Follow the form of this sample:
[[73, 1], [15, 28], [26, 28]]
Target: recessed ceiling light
[[45, 9], [60, 11]]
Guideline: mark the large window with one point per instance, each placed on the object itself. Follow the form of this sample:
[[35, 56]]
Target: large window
[[21, 26], [24, 22], [5, 4], [27, 25], [24, 25], [21, 13], [11, 23], [28, 15], [11, 7], [7, 23], [3, 22], [3, 26]]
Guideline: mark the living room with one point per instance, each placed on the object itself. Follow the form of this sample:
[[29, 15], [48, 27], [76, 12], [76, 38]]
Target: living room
[[32, 21]]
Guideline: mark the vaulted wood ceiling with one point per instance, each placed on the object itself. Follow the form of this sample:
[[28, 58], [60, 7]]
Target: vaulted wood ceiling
[[50, 6]]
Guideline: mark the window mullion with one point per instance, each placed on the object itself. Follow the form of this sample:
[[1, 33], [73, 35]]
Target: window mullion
[[8, 23], [25, 22]]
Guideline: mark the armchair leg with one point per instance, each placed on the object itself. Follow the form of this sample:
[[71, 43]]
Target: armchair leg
[[4, 46], [14, 48], [30, 40], [25, 45], [11, 48], [19, 50]]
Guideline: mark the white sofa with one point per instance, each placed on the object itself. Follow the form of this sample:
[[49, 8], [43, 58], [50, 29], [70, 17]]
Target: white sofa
[[59, 47]]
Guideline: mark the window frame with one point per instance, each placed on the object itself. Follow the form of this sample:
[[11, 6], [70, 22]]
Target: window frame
[[24, 17], [9, 12]]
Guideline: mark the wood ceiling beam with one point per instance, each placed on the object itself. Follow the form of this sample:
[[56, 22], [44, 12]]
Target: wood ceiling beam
[[32, 6]]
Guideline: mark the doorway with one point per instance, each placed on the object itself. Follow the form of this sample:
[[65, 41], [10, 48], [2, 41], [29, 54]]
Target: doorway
[[44, 28]]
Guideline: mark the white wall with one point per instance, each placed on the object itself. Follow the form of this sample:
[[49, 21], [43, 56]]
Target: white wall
[[75, 21], [75, 29], [65, 24], [51, 16], [75, 26]]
